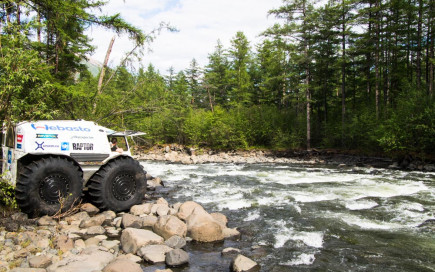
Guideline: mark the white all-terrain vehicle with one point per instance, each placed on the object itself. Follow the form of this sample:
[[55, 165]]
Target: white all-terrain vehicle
[[51, 163]]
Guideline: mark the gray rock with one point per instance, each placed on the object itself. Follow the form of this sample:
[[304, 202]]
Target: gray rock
[[154, 253], [133, 239], [243, 264], [97, 220], [95, 230], [149, 221], [41, 261], [176, 257], [90, 209], [122, 265], [46, 221], [77, 217], [19, 216], [169, 225], [112, 232], [141, 209], [131, 221], [176, 242], [92, 259]]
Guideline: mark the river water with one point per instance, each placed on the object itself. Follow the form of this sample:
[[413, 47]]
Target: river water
[[297, 217]]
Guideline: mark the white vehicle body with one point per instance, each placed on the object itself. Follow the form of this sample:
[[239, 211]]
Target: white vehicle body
[[83, 141]]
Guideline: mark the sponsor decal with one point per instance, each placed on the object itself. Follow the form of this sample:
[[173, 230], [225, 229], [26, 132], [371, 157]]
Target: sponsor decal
[[19, 146], [59, 128], [42, 146], [46, 136], [39, 146], [82, 146], [82, 137], [19, 138], [64, 146], [9, 156]]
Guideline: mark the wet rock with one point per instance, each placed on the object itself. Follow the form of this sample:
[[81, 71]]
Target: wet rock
[[141, 209], [154, 253], [169, 225], [176, 242], [131, 221], [90, 209], [243, 264], [133, 239], [90, 259], [230, 251], [227, 232], [176, 257], [122, 265], [41, 261]]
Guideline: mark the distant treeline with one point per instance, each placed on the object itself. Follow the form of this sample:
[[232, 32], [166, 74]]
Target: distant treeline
[[348, 75]]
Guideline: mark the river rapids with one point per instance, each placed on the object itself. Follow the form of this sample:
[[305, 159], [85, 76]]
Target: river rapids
[[297, 217]]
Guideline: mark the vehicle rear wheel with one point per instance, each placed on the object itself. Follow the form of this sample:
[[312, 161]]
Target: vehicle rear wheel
[[118, 185], [48, 186]]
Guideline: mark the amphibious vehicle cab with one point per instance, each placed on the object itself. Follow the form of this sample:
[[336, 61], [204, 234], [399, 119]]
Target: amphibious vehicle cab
[[51, 164]]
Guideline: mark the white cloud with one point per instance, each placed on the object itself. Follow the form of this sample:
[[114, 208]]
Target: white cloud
[[200, 22]]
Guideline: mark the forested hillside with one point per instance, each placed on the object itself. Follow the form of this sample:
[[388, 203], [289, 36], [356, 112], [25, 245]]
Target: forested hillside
[[347, 74]]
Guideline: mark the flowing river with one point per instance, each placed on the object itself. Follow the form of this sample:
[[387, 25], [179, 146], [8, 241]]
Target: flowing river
[[297, 217]]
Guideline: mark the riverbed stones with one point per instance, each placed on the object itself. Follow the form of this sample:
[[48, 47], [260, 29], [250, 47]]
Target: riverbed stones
[[176, 242], [141, 209], [133, 239], [89, 208], [97, 220], [131, 221], [176, 257], [122, 265], [169, 225], [154, 253], [41, 261], [244, 264]]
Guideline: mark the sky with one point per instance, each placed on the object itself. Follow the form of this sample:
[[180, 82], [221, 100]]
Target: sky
[[200, 24]]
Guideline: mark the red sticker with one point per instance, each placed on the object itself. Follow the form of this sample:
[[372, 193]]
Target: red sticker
[[19, 138]]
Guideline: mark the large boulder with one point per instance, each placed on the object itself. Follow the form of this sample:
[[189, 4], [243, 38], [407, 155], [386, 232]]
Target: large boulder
[[168, 226], [133, 239], [202, 227], [186, 209]]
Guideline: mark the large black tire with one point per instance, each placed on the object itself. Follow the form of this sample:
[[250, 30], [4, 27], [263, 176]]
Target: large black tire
[[118, 185], [49, 185]]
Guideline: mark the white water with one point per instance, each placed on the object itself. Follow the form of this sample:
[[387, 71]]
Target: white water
[[288, 201]]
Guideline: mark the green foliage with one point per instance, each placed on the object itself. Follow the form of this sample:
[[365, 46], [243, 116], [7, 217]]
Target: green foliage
[[7, 195]]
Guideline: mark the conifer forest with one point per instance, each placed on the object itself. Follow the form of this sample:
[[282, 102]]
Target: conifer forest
[[342, 74]]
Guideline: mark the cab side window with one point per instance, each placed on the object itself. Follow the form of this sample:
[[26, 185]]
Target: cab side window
[[10, 137]]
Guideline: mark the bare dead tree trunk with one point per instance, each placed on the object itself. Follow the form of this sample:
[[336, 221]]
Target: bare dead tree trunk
[[103, 71]]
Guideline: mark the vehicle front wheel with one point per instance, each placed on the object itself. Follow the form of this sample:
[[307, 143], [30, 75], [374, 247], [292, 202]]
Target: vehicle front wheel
[[48, 185], [118, 185]]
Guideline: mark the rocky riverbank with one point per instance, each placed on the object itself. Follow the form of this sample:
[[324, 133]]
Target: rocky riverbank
[[90, 240], [185, 155]]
